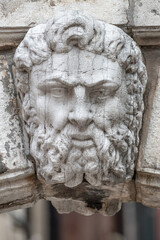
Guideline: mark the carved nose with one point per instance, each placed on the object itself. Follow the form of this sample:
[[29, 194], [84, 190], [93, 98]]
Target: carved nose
[[80, 114], [80, 117]]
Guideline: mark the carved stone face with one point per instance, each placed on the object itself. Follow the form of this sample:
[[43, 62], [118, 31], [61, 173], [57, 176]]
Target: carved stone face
[[82, 95], [79, 88], [80, 84]]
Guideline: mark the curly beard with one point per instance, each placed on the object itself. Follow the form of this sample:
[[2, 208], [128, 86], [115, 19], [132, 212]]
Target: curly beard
[[104, 157]]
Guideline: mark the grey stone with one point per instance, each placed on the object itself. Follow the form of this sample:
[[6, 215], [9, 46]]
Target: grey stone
[[29, 13], [146, 13]]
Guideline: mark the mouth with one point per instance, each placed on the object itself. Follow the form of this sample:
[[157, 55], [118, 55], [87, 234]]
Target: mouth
[[82, 141]]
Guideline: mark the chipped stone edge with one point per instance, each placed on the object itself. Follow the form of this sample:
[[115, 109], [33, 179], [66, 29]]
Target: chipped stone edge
[[119, 193]]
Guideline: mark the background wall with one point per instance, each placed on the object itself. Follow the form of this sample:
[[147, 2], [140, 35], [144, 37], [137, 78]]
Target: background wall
[[122, 12]]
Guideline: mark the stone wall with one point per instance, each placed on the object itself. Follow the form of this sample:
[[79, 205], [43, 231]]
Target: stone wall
[[124, 12]]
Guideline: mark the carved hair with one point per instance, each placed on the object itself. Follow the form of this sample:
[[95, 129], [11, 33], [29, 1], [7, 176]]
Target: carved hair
[[73, 28]]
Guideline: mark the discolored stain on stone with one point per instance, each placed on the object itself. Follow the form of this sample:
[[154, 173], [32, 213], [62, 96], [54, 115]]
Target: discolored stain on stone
[[5, 76], [94, 205], [84, 192], [3, 168], [19, 145], [112, 207], [7, 147], [155, 12], [52, 3]]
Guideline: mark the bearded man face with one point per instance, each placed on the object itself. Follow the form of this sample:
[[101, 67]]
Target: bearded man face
[[79, 99]]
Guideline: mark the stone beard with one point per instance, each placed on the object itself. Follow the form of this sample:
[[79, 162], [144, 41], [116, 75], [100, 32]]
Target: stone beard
[[66, 161], [83, 103]]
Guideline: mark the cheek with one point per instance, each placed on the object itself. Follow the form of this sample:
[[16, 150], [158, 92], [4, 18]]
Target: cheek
[[52, 112], [108, 114], [58, 118]]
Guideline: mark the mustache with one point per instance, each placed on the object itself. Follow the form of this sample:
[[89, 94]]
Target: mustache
[[92, 132], [61, 143]]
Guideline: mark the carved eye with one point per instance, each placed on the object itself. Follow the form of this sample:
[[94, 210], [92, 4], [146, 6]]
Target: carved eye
[[58, 92], [100, 94]]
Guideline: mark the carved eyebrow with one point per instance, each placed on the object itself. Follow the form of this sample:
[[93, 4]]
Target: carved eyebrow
[[55, 80], [102, 82]]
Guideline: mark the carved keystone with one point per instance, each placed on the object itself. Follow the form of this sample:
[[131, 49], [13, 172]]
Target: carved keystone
[[80, 86]]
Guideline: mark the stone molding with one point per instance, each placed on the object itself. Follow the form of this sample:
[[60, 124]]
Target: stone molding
[[17, 189], [146, 36], [10, 37]]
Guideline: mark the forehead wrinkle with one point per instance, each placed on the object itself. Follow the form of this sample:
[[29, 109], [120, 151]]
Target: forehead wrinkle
[[80, 79]]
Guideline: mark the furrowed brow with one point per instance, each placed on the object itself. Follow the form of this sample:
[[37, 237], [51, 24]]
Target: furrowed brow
[[55, 80], [102, 82]]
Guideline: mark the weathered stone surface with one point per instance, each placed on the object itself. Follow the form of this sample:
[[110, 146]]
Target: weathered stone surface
[[11, 144], [151, 150], [148, 167], [149, 147], [146, 13], [29, 13], [87, 200], [16, 171]]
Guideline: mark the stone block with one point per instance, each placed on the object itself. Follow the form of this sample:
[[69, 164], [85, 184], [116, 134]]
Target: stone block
[[149, 158], [146, 12], [29, 13], [16, 172], [148, 167], [11, 146]]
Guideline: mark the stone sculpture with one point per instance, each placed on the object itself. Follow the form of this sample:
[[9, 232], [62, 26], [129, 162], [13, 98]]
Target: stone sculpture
[[80, 85]]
